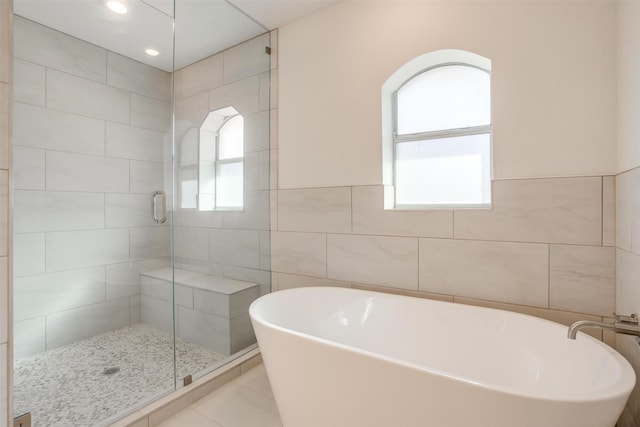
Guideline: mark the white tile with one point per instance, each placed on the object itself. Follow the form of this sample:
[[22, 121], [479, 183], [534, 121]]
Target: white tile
[[135, 310], [225, 305], [150, 113], [57, 211], [87, 98], [265, 90], [261, 277], [582, 279], [370, 217], [627, 289], [55, 292], [288, 281], [28, 82], [150, 242], [235, 247], [42, 45], [80, 172], [146, 177], [128, 210], [78, 249], [28, 168], [190, 113], [136, 77], [388, 261], [246, 59], [256, 170], [129, 142], [255, 213], [315, 209], [156, 312], [206, 330], [265, 250], [124, 279], [624, 185], [244, 95], [28, 254], [80, 323], [28, 337], [498, 271], [257, 133], [55, 130], [299, 253], [200, 77], [191, 243], [242, 335], [6, 53], [608, 211], [554, 210]]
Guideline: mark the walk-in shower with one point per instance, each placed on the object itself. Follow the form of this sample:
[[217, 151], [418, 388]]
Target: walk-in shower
[[140, 200]]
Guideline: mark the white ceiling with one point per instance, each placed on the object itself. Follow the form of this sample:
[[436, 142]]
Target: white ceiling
[[202, 27]]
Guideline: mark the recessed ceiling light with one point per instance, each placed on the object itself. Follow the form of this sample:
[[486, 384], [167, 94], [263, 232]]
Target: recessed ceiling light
[[151, 52], [117, 7]]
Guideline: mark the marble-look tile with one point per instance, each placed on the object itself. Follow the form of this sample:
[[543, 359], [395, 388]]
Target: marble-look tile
[[136, 77], [246, 59], [68, 250], [128, 210], [554, 210], [624, 185], [273, 128], [4, 212], [608, 211], [28, 168], [157, 313], [129, 142], [235, 247], [224, 305], [256, 170], [55, 130], [244, 95], [203, 329], [242, 335], [191, 243], [289, 281], [146, 177], [28, 83], [124, 279], [80, 172], [5, 126], [627, 289], [376, 260], [265, 250], [190, 113], [4, 299], [150, 113], [498, 271], [166, 291], [150, 242], [370, 217], [135, 310], [28, 254], [256, 137], [28, 337], [266, 92], [87, 98], [200, 77], [36, 211], [55, 292], [261, 277], [315, 210], [404, 292], [255, 213], [635, 212], [299, 253], [42, 45], [582, 279]]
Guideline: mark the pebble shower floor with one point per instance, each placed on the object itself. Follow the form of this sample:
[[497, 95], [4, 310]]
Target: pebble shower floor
[[78, 385]]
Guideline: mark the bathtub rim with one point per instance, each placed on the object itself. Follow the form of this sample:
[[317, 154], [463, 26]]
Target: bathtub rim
[[622, 386]]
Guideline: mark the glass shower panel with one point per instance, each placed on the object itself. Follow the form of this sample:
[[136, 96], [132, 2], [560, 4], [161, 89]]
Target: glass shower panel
[[92, 144], [221, 234]]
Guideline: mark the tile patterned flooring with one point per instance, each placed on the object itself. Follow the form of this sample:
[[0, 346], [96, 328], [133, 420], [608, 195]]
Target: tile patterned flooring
[[78, 394], [246, 401]]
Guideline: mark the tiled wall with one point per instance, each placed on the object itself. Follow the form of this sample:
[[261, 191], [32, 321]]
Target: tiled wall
[[233, 244], [628, 191], [6, 16], [89, 149]]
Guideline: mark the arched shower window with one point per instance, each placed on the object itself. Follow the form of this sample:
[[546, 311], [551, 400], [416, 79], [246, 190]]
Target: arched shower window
[[440, 124]]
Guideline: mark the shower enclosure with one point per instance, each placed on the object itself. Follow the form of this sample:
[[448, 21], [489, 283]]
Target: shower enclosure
[[141, 200]]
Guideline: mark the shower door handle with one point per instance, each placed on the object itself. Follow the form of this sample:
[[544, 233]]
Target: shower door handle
[[163, 203]]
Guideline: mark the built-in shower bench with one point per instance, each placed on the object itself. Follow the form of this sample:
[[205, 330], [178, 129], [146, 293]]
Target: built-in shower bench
[[210, 311]]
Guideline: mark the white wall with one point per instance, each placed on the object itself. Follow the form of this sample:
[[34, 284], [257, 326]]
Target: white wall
[[628, 188], [553, 98]]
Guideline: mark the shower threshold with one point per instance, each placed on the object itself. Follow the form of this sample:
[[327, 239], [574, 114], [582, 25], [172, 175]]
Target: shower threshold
[[83, 383]]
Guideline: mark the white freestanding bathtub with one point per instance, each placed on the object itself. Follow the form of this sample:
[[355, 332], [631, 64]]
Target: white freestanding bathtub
[[345, 357]]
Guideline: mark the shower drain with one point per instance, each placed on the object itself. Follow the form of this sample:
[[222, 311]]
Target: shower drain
[[110, 371]]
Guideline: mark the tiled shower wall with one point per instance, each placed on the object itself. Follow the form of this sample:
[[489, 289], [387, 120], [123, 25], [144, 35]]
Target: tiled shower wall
[[89, 137], [232, 244], [6, 16]]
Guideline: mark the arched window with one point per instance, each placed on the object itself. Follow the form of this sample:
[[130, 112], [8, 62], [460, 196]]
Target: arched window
[[438, 132]]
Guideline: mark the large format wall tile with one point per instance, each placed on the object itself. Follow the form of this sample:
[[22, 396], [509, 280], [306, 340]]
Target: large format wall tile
[[370, 217], [129, 142], [191, 243], [498, 271], [28, 82], [199, 77], [5, 128], [240, 248], [124, 279], [146, 177], [556, 210], [136, 77], [29, 337], [608, 211], [28, 168], [299, 253], [84, 97], [128, 210], [625, 184], [68, 250], [627, 289], [288, 281], [4, 212], [4, 299], [246, 59], [28, 254], [80, 172], [316, 209], [582, 279], [242, 95], [150, 113], [376, 260], [150, 242]]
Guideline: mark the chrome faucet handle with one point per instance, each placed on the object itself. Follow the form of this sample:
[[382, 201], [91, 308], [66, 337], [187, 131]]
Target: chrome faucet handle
[[633, 318]]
